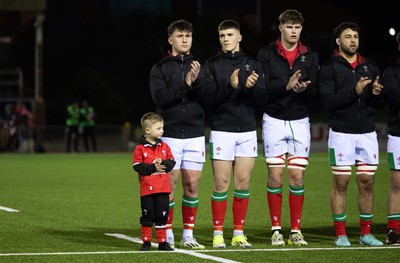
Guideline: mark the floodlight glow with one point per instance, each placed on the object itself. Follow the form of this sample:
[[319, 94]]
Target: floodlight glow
[[392, 31]]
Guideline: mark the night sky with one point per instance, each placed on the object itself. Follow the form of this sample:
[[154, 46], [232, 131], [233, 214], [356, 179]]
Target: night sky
[[102, 50]]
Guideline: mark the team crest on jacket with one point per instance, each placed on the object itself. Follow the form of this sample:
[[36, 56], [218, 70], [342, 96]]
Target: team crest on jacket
[[247, 67], [303, 58], [365, 67]]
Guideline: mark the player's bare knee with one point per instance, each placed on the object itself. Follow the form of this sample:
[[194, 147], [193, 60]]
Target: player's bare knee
[[341, 185]]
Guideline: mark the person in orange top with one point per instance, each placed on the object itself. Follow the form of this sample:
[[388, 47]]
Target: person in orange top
[[152, 160]]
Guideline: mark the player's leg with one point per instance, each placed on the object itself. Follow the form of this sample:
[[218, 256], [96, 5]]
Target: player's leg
[[193, 159], [246, 151], [275, 148], [297, 161], [393, 203], [367, 161], [222, 155], [176, 146], [341, 156], [243, 167]]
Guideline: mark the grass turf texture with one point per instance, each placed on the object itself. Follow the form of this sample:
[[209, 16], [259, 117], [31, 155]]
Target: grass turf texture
[[68, 202]]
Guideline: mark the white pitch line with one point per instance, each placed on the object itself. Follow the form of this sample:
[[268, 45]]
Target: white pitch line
[[183, 251], [7, 209], [301, 249], [206, 250]]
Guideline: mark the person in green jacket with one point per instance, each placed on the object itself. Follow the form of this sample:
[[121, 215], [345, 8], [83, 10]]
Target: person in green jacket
[[72, 126], [87, 117]]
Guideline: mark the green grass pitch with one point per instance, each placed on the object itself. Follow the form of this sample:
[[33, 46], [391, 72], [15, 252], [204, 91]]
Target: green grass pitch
[[69, 203]]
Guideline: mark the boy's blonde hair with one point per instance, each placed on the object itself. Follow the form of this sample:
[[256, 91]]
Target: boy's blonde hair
[[149, 119]]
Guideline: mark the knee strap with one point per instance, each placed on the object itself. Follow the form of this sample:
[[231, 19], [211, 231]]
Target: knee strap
[[341, 170], [297, 162], [363, 168], [278, 161]]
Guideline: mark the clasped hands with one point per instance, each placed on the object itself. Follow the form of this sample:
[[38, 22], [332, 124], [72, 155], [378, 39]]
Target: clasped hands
[[294, 83], [250, 81], [159, 167], [364, 81]]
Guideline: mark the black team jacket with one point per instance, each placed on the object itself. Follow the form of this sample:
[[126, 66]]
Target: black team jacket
[[232, 110], [391, 91], [348, 112], [179, 104], [283, 104]]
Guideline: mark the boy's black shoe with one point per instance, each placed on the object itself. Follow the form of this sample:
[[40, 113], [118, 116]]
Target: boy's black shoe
[[165, 246], [392, 238], [146, 246]]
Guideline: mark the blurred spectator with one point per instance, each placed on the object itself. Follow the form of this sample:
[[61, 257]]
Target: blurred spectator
[[72, 126], [87, 122], [25, 128], [9, 138]]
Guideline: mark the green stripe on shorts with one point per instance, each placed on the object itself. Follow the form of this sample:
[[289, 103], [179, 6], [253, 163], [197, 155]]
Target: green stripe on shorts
[[391, 162], [332, 156]]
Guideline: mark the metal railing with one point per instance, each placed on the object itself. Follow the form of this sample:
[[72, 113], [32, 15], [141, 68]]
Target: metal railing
[[52, 139]]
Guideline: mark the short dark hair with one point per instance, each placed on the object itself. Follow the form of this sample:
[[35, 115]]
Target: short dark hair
[[291, 16], [227, 24], [343, 26], [180, 25], [149, 119]]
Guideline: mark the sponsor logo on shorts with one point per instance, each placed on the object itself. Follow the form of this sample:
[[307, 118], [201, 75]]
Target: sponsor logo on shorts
[[219, 149], [267, 148]]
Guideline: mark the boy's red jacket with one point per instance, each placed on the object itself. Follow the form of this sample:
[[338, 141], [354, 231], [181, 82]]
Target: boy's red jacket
[[151, 181]]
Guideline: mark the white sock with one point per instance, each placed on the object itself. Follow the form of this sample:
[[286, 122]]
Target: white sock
[[276, 228], [187, 233], [170, 234], [237, 232], [218, 232]]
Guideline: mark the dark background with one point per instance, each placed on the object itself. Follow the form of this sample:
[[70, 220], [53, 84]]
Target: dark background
[[102, 50]]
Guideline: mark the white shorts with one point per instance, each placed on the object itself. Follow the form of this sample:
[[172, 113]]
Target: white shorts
[[228, 145], [281, 137], [347, 148], [393, 152], [188, 153]]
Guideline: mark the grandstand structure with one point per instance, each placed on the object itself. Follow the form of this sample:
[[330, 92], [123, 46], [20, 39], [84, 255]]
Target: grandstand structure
[[21, 23]]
